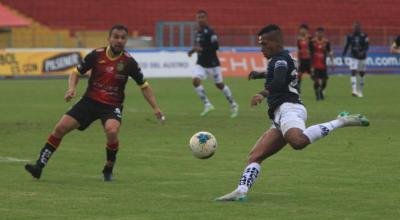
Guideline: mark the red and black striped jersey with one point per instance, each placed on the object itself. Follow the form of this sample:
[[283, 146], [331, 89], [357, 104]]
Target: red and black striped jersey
[[303, 46], [109, 75], [319, 50]]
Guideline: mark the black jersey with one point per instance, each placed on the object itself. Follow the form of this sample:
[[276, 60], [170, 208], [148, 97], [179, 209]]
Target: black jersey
[[358, 43], [207, 40], [287, 92]]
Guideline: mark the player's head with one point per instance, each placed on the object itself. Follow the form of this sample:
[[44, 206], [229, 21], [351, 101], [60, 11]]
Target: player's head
[[357, 27], [270, 39], [201, 18], [319, 32], [117, 37], [303, 30]]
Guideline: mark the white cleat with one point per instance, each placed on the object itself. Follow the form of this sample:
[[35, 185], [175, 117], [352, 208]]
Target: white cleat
[[234, 111], [236, 195], [355, 94], [360, 94], [353, 120], [207, 109]]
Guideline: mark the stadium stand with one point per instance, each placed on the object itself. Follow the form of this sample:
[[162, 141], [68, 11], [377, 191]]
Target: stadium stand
[[380, 19]]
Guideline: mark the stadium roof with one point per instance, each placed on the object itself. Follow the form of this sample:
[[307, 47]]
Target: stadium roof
[[10, 19]]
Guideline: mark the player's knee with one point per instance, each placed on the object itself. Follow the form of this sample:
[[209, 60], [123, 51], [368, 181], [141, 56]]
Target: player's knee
[[253, 158], [220, 85], [112, 130], [196, 82], [60, 130], [298, 143]]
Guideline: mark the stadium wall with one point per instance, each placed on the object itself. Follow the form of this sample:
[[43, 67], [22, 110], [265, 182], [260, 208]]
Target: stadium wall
[[172, 62]]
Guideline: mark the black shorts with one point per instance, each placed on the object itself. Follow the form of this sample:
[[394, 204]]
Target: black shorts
[[87, 110], [305, 66], [320, 74]]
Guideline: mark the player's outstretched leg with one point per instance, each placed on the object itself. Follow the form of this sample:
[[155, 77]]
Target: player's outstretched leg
[[44, 156], [344, 119], [270, 143], [111, 152]]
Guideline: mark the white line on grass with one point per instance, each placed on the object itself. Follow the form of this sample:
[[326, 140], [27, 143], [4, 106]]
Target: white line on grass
[[12, 159]]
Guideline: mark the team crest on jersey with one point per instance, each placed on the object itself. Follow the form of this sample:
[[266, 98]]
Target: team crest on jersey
[[120, 66]]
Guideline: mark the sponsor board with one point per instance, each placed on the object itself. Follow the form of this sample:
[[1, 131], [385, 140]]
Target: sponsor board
[[175, 62]]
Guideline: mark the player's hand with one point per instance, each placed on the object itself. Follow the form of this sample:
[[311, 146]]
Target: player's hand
[[190, 53], [159, 115], [71, 93], [252, 75], [256, 99]]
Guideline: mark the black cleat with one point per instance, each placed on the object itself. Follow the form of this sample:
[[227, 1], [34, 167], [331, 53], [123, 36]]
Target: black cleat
[[107, 174], [34, 170]]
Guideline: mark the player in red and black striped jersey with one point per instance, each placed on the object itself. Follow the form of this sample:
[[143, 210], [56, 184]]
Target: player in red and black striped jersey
[[303, 52], [110, 69], [320, 48]]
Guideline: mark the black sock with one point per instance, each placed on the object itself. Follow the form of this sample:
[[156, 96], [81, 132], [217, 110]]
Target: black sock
[[111, 158], [45, 155]]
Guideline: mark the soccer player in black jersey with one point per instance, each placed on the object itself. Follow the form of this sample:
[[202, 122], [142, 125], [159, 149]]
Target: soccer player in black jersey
[[286, 111], [358, 44], [206, 46], [395, 48], [111, 67]]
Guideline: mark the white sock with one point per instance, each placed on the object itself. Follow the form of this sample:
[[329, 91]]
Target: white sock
[[228, 94], [318, 131], [362, 80], [249, 176], [353, 80], [202, 93]]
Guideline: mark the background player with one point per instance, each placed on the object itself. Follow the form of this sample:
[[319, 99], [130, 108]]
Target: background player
[[110, 69], [303, 52], [286, 111], [358, 43], [206, 46], [320, 47], [395, 48]]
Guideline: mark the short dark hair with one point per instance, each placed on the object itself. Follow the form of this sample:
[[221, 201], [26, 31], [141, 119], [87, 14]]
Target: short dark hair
[[201, 12], [321, 29], [118, 27], [304, 26], [269, 28]]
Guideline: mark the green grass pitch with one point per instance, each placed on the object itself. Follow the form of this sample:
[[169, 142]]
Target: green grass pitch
[[354, 173]]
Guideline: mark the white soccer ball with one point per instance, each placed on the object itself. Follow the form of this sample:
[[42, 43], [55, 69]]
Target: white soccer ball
[[203, 145]]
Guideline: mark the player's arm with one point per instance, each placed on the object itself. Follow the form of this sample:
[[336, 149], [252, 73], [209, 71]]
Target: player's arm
[[278, 83], [346, 47], [146, 89], [73, 79], [214, 45], [256, 75]]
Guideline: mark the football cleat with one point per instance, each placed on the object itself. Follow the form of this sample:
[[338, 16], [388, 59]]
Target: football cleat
[[355, 94], [34, 170], [107, 174], [236, 195], [353, 119], [234, 110], [207, 109]]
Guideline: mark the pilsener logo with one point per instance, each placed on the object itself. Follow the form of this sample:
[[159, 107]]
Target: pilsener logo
[[61, 62]]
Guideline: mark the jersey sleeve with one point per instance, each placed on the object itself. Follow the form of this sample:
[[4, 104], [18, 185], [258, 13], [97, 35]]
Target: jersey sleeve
[[87, 63], [280, 67], [214, 45], [136, 73]]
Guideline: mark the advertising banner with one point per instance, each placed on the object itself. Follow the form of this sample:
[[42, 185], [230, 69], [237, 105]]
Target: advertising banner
[[176, 63]]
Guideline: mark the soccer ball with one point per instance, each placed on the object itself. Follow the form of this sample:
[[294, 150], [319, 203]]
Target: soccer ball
[[203, 145]]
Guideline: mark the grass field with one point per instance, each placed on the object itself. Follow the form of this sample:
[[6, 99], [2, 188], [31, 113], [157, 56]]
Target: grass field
[[354, 173]]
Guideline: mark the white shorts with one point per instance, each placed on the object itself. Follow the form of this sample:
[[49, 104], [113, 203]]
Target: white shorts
[[202, 72], [290, 115], [358, 65]]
